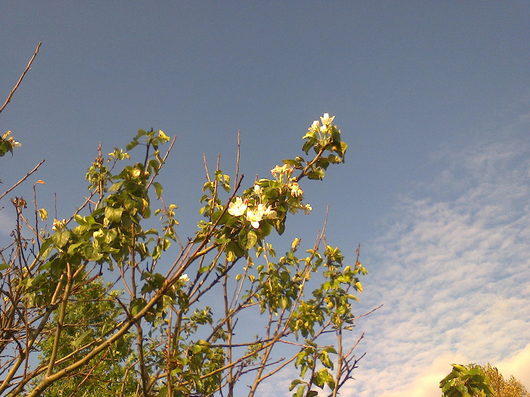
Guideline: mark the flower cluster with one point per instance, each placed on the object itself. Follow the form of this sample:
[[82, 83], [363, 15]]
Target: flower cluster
[[326, 121], [58, 224], [254, 215], [7, 137], [295, 189], [321, 128], [283, 174], [284, 191], [281, 171], [184, 278]]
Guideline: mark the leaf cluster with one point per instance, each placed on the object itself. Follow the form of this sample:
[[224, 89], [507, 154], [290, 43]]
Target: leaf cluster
[[116, 304], [466, 381]]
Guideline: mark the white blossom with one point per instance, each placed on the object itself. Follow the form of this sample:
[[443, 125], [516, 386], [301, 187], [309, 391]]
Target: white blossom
[[295, 189], [7, 136], [237, 207], [184, 278], [269, 212], [327, 119], [58, 224], [254, 216], [284, 169]]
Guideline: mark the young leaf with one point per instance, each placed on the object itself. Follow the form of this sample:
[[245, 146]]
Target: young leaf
[[158, 189]]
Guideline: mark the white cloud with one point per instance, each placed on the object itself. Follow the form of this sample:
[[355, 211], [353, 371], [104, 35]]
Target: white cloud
[[452, 271], [425, 382], [518, 366]]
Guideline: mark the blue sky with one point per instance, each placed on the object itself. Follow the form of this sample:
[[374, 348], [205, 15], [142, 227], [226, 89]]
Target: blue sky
[[432, 97]]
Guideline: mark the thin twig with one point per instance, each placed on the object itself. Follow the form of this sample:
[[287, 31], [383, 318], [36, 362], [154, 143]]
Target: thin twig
[[205, 163], [322, 235], [238, 154], [28, 67], [369, 312], [22, 179], [163, 162]]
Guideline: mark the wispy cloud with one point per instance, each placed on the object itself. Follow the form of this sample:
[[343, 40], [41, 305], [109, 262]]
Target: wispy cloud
[[518, 365], [453, 272]]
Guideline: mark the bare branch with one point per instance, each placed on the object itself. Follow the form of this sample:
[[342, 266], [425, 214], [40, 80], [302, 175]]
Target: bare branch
[[26, 70], [22, 179], [238, 154]]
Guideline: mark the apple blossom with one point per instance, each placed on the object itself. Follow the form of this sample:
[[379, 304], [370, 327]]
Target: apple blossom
[[58, 224], [295, 189], [269, 212], [7, 136], [284, 169], [327, 119], [254, 216], [184, 278], [237, 207]]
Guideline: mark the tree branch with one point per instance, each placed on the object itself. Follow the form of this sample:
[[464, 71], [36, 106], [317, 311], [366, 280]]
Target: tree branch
[[21, 179], [26, 70]]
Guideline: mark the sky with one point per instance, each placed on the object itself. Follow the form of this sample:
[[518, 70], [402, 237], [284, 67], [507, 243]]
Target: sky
[[432, 97]]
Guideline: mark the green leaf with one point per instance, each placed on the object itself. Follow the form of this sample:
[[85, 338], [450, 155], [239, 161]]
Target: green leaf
[[299, 391], [153, 282], [5, 147], [113, 214], [252, 239], [299, 358], [319, 379], [307, 145], [110, 236], [235, 250], [324, 359], [45, 248], [3, 266], [158, 189], [230, 256], [115, 187], [163, 392], [72, 248], [154, 165], [280, 226], [57, 266], [294, 383], [81, 339], [43, 214], [60, 238], [343, 148], [317, 174], [137, 305], [131, 145], [285, 302], [265, 228]]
